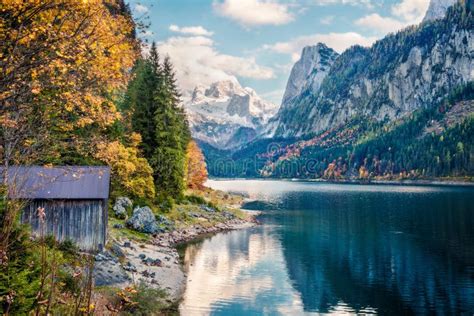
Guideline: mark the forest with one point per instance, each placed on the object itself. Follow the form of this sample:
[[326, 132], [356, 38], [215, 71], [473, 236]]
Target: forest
[[78, 87], [434, 142]]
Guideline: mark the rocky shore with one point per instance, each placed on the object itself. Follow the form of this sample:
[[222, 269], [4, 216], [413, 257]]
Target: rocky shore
[[156, 262]]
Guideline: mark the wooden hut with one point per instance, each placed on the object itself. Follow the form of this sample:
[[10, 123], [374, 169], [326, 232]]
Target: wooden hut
[[74, 200]]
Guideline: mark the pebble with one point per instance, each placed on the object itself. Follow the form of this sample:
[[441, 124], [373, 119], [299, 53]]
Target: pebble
[[130, 267]]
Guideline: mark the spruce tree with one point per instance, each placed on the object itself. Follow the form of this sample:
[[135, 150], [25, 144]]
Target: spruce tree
[[153, 98], [140, 100], [171, 135], [154, 60]]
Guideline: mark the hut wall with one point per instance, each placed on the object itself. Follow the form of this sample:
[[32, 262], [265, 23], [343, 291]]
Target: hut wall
[[82, 221]]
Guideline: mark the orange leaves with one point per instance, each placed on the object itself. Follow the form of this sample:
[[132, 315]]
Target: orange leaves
[[72, 50], [363, 172], [196, 167]]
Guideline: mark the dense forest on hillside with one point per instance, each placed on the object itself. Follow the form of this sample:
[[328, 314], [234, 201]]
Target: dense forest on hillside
[[404, 149], [401, 108], [404, 71], [428, 143]]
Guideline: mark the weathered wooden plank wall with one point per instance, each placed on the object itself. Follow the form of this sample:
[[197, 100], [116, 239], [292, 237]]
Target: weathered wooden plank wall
[[82, 221]]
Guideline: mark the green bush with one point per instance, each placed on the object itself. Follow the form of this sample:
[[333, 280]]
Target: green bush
[[166, 203], [195, 199], [68, 247], [147, 301]]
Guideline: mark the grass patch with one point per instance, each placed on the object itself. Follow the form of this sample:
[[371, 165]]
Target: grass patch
[[125, 232]]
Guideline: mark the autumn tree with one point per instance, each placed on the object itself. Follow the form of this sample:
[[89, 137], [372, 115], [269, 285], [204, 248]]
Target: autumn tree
[[196, 171], [62, 65]]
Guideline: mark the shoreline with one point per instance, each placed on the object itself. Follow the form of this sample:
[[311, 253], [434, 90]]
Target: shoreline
[[156, 263], [419, 182]]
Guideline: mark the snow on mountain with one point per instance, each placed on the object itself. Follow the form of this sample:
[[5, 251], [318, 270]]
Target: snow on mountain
[[226, 115]]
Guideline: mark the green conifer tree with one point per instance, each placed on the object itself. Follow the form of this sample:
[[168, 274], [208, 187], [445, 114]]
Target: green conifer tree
[[171, 135], [153, 98]]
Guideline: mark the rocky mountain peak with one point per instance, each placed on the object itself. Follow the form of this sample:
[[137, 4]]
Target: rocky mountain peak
[[239, 105], [225, 88], [227, 115], [309, 71], [198, 94], [437, 9], [399, 74]]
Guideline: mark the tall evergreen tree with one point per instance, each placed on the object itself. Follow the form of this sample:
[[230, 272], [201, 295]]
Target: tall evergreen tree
[[140, 99], [153, 99], [172, 136], [154, 60]]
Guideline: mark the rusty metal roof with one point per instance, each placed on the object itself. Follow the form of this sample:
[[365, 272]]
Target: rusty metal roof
[[66, 182]]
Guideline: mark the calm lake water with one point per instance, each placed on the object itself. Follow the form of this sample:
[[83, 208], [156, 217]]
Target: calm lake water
[[338, 249]]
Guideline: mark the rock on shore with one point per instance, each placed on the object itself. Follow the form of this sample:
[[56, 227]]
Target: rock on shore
[[155, 263]]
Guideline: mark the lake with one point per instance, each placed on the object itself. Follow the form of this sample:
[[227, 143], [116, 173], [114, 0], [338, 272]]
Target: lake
[[338, 249]]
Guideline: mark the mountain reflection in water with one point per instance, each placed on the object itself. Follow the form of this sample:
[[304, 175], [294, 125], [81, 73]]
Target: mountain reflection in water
[[339, 249]]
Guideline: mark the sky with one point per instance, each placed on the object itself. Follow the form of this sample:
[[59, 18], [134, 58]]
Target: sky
[[258, 41]]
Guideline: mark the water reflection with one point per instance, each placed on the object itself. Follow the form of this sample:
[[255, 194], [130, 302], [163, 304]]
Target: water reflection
[[339, 249], [240, 272], [404, 256]]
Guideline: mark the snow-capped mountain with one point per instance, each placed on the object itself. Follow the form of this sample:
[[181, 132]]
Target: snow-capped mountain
[[226, 115], [437, 9]]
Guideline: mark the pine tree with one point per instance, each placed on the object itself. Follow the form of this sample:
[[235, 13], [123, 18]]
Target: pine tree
[[153, 99], [171, 136], [140, 99], [154, 60]]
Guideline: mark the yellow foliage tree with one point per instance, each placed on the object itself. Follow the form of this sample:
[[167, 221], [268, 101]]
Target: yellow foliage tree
[[363, 172], [62, 62], [196, 173], [133, 173]]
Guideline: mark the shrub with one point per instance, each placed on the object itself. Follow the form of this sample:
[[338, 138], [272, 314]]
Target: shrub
[[195, 199], [166, 203]]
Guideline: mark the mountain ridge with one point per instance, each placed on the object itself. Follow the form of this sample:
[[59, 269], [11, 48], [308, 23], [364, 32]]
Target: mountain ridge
[[386, 112], [398, 74], [227, 115]]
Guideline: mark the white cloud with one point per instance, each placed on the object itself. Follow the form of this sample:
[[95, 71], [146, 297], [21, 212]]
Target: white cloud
[[191, 30], [197, 61], [254, 12], [366, 3], [337, 41], [140, 8], [411, 10], [380, 24], [327, 20], [404, 13]]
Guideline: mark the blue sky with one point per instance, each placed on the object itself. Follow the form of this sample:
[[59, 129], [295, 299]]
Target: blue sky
[[257, 41]]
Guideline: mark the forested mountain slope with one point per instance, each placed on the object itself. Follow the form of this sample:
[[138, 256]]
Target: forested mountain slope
[[400, 109], [401, 73]]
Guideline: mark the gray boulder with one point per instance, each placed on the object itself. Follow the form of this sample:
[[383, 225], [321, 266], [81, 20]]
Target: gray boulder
[[121, 205], [143, 220]]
